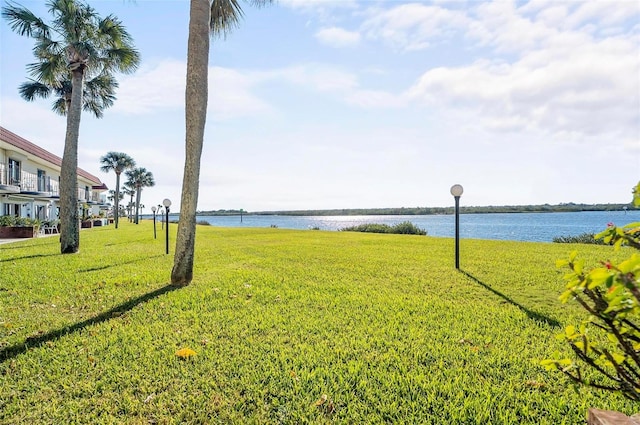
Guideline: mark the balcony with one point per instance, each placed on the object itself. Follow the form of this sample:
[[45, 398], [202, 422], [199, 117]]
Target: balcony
[[38, 186], [6, 184]]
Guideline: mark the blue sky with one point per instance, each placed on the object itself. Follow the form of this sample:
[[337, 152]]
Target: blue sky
[[362, 104]]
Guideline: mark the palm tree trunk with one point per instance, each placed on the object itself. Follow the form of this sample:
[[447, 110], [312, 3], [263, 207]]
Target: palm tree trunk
[[69, 225], [138, 190], [116, 213], [130, 212], [196, 115]]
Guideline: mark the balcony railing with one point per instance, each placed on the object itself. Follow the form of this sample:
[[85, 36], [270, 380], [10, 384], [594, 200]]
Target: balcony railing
[[7, 176], [90, 196], [30, 182], [83, 195]]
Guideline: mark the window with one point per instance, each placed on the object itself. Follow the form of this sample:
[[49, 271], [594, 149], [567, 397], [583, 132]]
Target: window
[[14, 172], [42, 181], [12, 209]]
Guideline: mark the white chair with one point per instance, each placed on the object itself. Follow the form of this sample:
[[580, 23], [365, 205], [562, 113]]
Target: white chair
[[49, 227]]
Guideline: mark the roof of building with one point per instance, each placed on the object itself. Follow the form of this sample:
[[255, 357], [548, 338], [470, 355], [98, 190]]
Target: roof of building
[[22, 143]]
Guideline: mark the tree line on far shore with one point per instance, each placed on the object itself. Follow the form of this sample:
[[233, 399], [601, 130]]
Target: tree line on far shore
[[569, 207]]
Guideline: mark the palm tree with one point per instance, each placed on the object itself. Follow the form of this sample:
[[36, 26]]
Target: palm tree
[[217, 17], [139, 178], [118, 162], [130, 191], [76, 57]]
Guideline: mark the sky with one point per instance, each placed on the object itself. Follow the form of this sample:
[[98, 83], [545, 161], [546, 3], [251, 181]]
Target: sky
[[319, 104]]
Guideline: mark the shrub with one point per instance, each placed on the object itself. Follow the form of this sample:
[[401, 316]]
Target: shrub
[[11, 220], [203, 223], [587, 238], [404, 228], [608, 340]]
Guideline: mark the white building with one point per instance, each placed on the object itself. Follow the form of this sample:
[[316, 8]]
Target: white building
[[30, 181]]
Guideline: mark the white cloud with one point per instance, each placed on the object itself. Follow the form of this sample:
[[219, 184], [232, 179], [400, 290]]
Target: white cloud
[[539, 74], [604, 12], [152, 87], [338, 37], [412, 26], [587, 91], [318, 5], [162, 86], [318, 77], [321, 10], [375, 99], [230, 94], [336, 82]]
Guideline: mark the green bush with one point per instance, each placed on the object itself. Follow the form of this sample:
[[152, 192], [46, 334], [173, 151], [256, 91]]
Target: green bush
[[11, 220], [608, 340], [203, 223], [404, 228], [587, 238]]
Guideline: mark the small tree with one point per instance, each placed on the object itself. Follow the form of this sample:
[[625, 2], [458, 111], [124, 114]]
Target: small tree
[[139, 178], [608, 341], [117, 162]]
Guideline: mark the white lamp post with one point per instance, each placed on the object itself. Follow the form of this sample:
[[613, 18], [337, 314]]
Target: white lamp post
[[153, 210], [456, 191]]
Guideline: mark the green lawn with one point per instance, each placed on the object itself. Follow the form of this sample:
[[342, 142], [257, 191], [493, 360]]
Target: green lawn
[[382, 326]]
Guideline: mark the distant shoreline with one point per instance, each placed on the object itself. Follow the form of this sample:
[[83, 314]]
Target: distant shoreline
[[570, 207]]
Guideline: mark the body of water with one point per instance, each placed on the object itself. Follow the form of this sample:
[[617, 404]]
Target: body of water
[[536, 227]]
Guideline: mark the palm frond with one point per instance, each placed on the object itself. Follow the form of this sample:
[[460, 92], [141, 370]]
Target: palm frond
[[48, 72], [60, 106], [116, 161], [123, 59], [47, 49], [113, 31], [33, 89], [24, 22], [225, 16], [99, 94], [260, 3], [139, 177]]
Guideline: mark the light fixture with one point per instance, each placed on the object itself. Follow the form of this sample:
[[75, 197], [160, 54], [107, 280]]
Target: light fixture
[[456, 191], [153, 210]]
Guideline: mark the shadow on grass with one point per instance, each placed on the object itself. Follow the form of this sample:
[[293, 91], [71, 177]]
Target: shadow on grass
[[530, 314], [27, 257], [36, 341], [119, 263]]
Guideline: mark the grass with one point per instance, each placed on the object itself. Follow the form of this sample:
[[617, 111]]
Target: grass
[[288, 327]]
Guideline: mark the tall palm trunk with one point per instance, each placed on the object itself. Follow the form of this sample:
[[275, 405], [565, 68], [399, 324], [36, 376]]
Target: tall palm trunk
[[196, 114], [69, 225], [130, 209], [138, 190], [116, 213]]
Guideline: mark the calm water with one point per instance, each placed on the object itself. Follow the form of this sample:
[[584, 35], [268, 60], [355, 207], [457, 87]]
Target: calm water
[[537, 227]]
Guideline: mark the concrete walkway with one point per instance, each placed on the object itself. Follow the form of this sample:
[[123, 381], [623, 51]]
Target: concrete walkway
[[5, 241]]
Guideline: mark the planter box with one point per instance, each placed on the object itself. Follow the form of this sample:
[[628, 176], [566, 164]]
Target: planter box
[[11, 232], [88, 224]]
